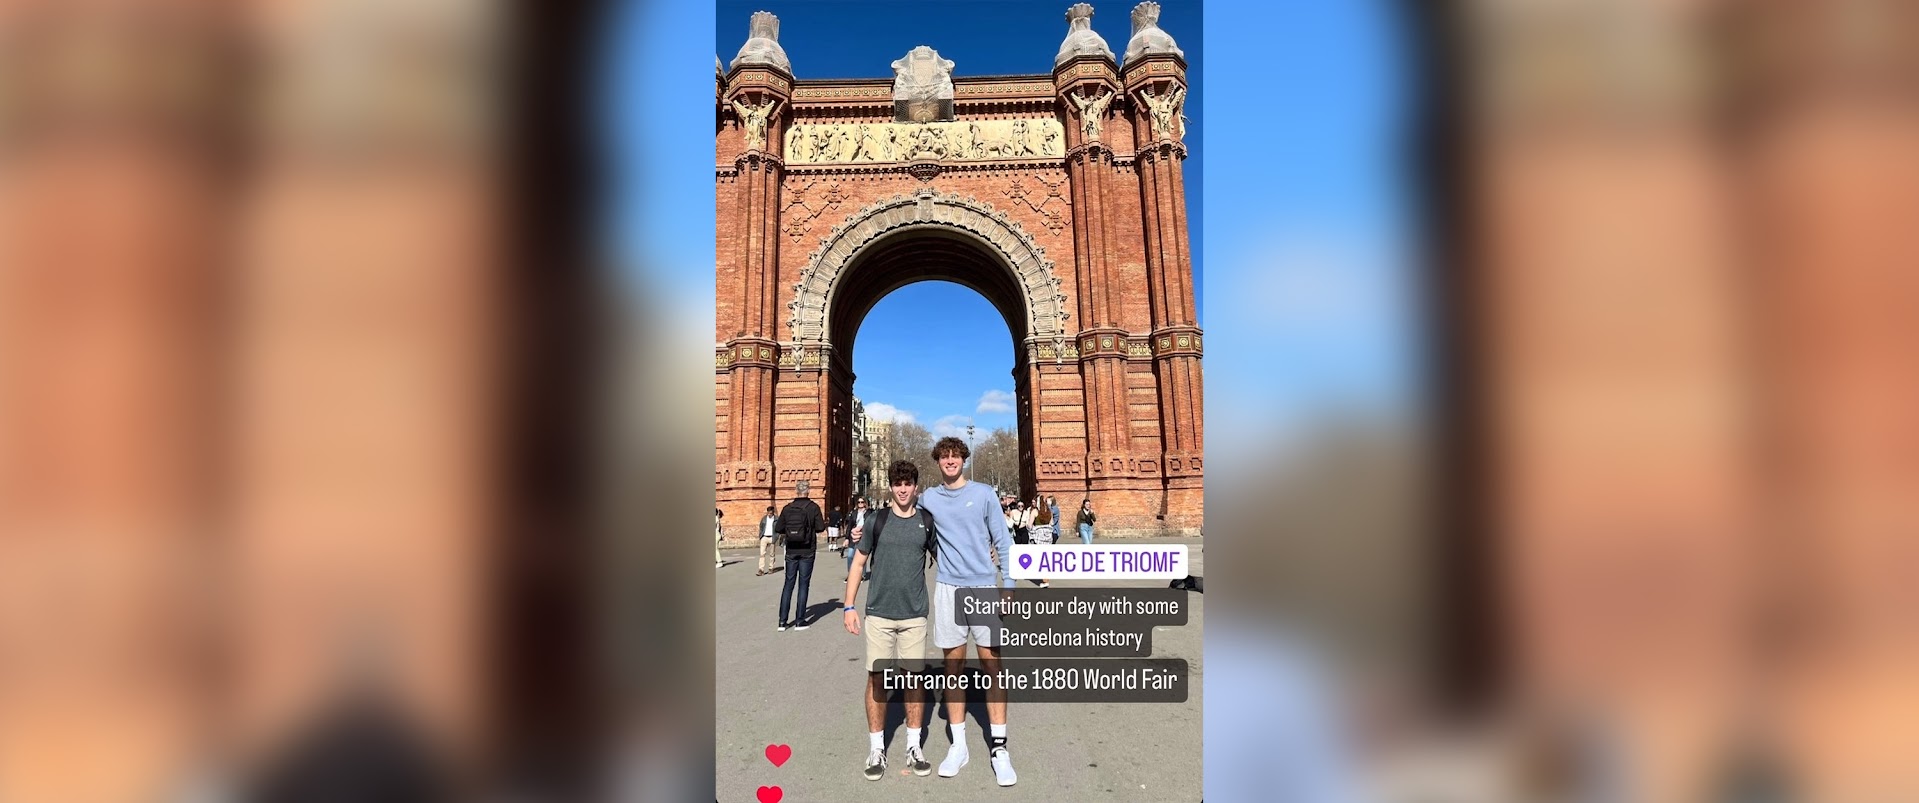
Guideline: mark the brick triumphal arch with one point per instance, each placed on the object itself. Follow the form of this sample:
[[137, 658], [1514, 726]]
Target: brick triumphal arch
[[1058, 198]]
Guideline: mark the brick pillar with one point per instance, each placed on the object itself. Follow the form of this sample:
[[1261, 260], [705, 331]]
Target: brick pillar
[[1835, 159], [1608, 309], [109, 242], [749, 256], [1156, 83], [1112, 469]]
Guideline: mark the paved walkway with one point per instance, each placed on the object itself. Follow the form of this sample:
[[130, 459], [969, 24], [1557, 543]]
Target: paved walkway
[[803, 689]]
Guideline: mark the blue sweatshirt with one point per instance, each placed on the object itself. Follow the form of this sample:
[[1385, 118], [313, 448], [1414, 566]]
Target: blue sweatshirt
[[971, 528]]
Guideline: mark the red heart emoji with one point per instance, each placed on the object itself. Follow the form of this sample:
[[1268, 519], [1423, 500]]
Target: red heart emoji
[[771, 794], [778, 754]]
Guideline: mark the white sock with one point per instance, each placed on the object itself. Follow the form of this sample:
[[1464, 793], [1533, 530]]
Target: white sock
[[959, 735], [998, 731], [877, 739], [912, 737]]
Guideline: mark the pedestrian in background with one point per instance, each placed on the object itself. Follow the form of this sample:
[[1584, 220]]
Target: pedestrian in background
[[767, 524], [1042, 530], [1086, 519], [833, 528], [851, 529], [800, 525], [717, 516]]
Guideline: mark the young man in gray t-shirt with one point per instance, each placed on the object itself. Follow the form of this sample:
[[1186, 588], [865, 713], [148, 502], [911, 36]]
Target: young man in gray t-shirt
[[893, 540]]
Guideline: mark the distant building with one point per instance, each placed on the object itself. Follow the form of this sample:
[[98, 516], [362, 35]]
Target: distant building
[[862, 456], [877, 436]]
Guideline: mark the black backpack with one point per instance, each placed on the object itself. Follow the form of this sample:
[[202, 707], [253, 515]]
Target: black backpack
[[797, 524], [880, 518]]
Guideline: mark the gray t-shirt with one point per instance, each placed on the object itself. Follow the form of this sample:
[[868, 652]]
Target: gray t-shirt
[[897, 587]]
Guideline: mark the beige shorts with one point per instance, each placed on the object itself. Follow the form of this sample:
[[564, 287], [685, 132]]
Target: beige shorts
[[904, 639]]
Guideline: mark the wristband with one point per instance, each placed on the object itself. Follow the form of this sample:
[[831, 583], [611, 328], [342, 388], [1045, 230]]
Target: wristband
[[852, 607]]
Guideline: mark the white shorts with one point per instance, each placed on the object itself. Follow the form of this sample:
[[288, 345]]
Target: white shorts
[[949, 632]]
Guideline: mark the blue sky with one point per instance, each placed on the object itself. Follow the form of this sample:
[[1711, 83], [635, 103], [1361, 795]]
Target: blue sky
[[1309, 282]]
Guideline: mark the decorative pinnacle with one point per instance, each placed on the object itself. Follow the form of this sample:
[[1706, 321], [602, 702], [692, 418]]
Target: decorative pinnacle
[[763, 43], [1079, 17], [1081, 40], [1145, 15], [766, 26], [1147, 37]]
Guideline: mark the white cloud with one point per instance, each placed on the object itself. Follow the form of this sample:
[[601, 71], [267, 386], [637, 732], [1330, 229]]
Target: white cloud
[[995, 401], [881, 411], [951, 426]]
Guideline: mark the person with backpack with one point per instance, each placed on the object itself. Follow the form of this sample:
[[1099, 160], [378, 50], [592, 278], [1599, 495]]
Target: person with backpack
[[800, 526], [897, 544]]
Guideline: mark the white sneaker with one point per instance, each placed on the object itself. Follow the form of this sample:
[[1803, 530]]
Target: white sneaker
[[875, 764], [1003, 767], [956, 758], [916, 759]]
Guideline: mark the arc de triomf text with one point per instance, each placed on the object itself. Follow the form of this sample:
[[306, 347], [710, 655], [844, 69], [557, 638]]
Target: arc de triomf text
[[1057, 197]]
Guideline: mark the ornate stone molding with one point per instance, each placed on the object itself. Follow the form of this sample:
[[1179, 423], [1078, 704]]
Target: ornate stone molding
[[879, 93], [1040, 88], [863, 93], [1045, 305]]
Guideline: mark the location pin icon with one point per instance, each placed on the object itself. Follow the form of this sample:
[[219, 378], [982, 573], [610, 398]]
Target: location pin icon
[[1026, 561]]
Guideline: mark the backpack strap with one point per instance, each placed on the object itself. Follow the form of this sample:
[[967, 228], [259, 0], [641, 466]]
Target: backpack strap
[[878, 518], [932, 539]]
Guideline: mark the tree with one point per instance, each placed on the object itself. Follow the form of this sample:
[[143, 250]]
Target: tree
[[996, 460], [907, 440]]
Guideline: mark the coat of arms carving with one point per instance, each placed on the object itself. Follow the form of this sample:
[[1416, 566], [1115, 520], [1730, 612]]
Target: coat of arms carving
[[922, 87]]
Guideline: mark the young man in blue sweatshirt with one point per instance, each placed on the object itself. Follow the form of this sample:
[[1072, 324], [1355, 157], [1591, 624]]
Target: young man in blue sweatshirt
[[973, 548]]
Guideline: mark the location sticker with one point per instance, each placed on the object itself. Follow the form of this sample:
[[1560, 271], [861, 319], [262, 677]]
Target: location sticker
[[1099, 562]]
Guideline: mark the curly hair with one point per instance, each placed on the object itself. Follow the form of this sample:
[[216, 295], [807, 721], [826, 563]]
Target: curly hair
[[951, 445]]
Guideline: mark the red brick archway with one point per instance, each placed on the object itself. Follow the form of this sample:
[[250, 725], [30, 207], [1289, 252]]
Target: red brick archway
[[831, 194]]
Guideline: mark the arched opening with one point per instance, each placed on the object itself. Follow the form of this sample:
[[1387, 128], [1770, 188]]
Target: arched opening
[[911, 256]]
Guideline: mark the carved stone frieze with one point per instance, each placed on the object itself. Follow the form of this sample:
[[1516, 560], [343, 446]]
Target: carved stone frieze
[[963, 140]]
